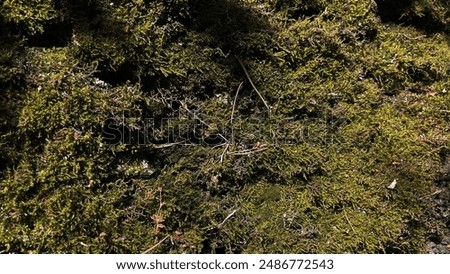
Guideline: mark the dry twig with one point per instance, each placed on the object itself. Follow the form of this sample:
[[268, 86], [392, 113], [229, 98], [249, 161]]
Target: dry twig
[[227, 218], [346, 217], [251, 83], [156, 245], [232, 112], [432, 194], [247, 151], [223, 153]]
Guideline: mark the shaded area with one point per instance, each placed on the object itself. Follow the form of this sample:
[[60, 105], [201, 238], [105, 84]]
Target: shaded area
[[55, 34], [431, 17]]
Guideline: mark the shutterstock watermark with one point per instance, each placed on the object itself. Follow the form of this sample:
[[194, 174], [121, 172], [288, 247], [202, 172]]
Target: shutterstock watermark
[[130, 129]]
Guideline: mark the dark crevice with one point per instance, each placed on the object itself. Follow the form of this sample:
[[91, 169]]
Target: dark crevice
[[126, 72], [55, 34], [402, 12], [296, 11]]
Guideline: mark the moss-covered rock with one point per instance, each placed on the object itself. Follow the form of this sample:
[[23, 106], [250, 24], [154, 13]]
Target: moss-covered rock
[[226, 126]]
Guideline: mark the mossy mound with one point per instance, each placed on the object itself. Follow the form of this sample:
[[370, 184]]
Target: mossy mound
[[223, 126]]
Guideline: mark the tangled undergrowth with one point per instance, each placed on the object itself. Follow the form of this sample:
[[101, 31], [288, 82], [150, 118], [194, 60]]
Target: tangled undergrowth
[[222, 126]]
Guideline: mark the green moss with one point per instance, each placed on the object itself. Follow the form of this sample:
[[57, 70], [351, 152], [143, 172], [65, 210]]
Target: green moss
[[355, 99], [31, 14]]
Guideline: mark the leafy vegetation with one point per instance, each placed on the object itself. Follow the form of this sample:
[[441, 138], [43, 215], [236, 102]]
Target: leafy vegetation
[[223, 126]]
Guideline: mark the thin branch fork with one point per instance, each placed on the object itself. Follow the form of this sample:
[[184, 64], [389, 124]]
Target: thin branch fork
[[223, 153], [201, 121]]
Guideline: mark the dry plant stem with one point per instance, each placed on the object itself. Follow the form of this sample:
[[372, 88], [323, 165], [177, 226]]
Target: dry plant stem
[[166, 145], [232, 112], [161, 146], [227, 218], [436, 192], [413, 38], [156, 245], [247, 151], [346, 217], [432, 194], [223, 153], [251, 83], [160, 200]]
